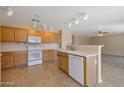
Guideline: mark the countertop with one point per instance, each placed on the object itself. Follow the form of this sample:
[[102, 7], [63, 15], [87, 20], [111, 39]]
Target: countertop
[[79, 53]]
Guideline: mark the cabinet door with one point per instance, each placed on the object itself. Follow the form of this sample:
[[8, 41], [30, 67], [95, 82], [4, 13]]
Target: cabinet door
[[52, 37], [21, 35], [34, 33], [7, 59], [64, 63], [20, 58], [7, 34], [57, 38], [62, 59]]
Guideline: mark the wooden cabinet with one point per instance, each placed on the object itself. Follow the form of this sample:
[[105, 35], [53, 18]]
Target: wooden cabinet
[[7, 59], [20, 58], [11, 59], [32, 32], [50, 37], [43, 37], [21, 35], [62, 59], [49, 55], [57, 37], [7, 34], [10, 34]]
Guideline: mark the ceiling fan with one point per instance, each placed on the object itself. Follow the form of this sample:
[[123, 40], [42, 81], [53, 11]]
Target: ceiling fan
[[100, 32]]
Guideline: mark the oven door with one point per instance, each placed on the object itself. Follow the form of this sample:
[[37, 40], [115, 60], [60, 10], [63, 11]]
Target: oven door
[[34, 55]]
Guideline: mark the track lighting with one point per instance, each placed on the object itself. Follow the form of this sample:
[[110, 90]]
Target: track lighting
[[77, 20], [70, 24], [9, 12], [35, 21], [86, 16]]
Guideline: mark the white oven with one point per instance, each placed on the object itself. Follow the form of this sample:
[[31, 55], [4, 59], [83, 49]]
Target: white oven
[[34, 55], [34, 50], [34, 39]]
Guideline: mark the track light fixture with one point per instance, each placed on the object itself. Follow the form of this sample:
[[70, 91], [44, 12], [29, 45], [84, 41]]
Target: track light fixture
[[9, 11], [70, 24], [86, 17], [76, 19]]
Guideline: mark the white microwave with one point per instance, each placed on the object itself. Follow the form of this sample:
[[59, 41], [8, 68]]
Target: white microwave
[[34, 39]]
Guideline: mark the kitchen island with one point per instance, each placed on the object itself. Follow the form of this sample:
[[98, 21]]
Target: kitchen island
[[80, 65]]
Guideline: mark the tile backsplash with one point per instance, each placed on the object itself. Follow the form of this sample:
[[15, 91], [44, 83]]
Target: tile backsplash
[[13, 46]]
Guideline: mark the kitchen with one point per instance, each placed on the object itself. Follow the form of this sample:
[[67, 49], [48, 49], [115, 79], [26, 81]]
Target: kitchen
[[38, 55]]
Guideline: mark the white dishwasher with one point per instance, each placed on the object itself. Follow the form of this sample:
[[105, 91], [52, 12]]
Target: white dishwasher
[[76, 68]]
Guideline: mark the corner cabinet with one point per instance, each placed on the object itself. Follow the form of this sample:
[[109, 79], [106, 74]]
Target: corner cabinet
[[21, 35], [7, 34], [62, 60]]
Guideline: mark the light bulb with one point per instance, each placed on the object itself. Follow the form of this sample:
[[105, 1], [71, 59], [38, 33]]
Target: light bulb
[[86, 17], [76, 20], [70, 24], [9, 12]]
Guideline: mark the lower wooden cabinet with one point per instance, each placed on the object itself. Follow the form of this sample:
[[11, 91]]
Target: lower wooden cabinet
[[62, 60], [11, 59], [49, 55], [20, 58], [7, 60]]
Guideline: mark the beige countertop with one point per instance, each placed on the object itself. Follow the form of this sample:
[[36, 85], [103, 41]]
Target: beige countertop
[[79, 53]]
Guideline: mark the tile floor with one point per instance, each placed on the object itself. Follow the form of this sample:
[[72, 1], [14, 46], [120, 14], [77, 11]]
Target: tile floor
[[48, 75]]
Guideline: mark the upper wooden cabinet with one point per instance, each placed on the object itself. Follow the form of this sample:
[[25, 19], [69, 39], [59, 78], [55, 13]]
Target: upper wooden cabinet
[[43, 37], [32, 32], [57, 37], [50, 37], [10, 34], [7, 34], [21, 35]]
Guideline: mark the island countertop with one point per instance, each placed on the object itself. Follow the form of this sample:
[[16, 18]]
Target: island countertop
[[79, 53]]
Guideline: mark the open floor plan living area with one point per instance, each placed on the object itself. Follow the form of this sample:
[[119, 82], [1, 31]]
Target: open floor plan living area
[[62, 46]]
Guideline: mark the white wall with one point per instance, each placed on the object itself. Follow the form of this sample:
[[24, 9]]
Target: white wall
[[79, 40], [113, 44], [66, 38]]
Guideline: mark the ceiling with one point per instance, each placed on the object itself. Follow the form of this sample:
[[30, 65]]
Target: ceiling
[[110, 18]]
